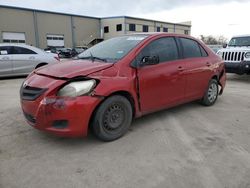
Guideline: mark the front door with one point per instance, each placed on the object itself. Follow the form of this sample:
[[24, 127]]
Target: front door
[[24, 60], [5, 61], [161, 85]]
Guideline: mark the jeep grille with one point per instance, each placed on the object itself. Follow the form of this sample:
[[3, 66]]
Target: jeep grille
[[233, 56]]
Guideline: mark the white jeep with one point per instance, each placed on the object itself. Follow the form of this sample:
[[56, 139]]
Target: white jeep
[[236, 55]]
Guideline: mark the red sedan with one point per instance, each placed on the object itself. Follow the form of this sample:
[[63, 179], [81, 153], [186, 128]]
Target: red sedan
[[118, 80]]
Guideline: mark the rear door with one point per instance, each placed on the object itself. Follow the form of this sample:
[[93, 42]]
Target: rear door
[[163, 84], [5, 60], [198, 68], [24, 60]]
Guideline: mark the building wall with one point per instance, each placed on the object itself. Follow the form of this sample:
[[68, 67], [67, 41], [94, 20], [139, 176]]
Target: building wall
[[77, 30], [139, 24], [165, 25], [180, 29], [152, 25], [85, 30], [111, 23], [54, 24], [13, 20]]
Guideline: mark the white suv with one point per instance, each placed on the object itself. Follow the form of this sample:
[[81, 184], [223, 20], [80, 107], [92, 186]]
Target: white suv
[[22, 59], [236, 55]]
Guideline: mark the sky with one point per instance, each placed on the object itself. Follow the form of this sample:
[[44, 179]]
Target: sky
[[208, 17]]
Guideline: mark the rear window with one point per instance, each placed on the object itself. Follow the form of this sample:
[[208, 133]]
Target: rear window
[[21, 50], [5, 50], [192, 49]]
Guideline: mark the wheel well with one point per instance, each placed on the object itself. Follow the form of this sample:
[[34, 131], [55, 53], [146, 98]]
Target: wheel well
[[125, 94], [40, 65], [215, 77], [128, 96]]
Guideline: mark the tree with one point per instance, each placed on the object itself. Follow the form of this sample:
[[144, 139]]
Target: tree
[[211, 40]]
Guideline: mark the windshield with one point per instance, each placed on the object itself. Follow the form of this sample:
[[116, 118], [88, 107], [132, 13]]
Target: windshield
[[239, 41], [113, 49]]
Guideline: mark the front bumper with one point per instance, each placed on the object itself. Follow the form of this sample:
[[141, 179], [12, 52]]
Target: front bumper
[[238, 68], [68, 117]]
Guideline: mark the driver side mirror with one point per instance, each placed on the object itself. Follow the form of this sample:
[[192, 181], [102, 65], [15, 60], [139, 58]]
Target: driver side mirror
[[150, 60], [225, 45]]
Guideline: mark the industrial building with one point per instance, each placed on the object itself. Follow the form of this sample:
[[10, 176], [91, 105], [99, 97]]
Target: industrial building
[[44, 28]]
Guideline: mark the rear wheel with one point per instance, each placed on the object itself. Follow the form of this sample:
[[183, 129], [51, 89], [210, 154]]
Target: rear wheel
[[112, 119], [211, 94]]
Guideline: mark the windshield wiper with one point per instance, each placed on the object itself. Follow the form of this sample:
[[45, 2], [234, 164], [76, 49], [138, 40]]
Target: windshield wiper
[[93, 58]]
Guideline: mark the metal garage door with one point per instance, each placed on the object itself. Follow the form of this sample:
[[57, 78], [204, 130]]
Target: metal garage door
[[55, 40], [13, 37]]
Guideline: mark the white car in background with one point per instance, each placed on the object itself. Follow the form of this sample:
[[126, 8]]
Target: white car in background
[[22, 59]]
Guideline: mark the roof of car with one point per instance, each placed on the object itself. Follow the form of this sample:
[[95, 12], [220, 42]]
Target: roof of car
[[152, 34], [22, 45], [14, 44], [248, 35], [160, 33]]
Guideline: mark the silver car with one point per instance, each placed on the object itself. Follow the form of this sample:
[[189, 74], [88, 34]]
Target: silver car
[[22, 59]]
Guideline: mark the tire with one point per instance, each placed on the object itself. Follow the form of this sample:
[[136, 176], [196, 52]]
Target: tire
[[211, 94], [112, 119]]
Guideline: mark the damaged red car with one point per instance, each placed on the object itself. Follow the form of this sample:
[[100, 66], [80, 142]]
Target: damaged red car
[[120, 79]]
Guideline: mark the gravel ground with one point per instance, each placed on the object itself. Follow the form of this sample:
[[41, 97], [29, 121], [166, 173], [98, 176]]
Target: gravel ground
[[184, 147]]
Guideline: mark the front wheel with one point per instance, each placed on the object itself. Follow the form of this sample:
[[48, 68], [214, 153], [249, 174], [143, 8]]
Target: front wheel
[[112, 119], [211, 94]]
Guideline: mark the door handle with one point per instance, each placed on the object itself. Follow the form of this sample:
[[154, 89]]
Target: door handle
[[32, 58], [208, 64], [180, 68], [6, 58]]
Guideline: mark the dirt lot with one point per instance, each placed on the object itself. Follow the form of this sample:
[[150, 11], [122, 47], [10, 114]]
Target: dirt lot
[[185, 147]]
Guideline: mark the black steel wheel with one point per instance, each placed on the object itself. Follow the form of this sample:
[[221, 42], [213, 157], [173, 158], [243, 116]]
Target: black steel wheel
[[112, 119]]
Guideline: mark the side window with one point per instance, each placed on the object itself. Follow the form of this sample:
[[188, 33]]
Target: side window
[[203, 52], [5, 50], [106, 29], [21, 50], [165, 29], [164, 48], [132, 27], [145, 28], [190, 48], [119, 27]]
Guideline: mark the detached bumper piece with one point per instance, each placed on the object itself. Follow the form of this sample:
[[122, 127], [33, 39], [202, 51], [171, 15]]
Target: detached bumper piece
[[238, 68]]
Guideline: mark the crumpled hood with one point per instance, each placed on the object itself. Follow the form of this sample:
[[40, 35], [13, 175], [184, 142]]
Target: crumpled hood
[[73, 68]]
